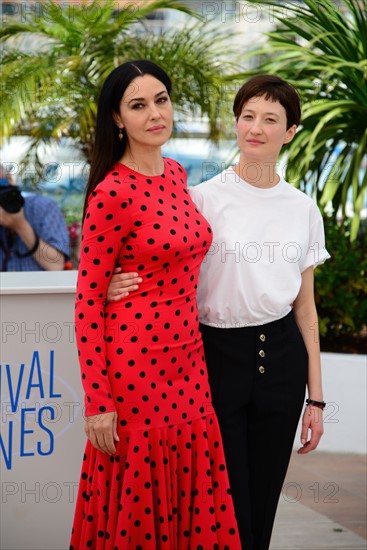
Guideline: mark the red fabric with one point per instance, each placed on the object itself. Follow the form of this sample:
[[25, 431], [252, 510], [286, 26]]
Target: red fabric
[[167, 486]]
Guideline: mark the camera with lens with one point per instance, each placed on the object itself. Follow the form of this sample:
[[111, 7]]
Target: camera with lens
[[10, 197]]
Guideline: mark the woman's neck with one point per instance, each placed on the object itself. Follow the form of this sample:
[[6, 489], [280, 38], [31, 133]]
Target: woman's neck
[[257, 173], [146, 161]]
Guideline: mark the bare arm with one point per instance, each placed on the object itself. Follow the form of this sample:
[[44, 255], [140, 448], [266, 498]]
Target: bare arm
[[306, 318]]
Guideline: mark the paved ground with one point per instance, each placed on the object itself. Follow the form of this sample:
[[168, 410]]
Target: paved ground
[[324, 504]]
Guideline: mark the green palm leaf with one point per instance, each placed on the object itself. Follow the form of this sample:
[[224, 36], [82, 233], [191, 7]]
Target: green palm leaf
[[54, 64], [321, 48]]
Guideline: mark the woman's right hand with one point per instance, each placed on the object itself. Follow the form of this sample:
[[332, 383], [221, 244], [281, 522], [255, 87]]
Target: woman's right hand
[[101, 430], [121, 284]]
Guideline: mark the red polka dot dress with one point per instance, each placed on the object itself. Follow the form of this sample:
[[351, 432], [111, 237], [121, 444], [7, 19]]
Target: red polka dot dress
[[166, 487]]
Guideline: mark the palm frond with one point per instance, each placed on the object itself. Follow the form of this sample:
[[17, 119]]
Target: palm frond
[[321, 48], [54, 64]]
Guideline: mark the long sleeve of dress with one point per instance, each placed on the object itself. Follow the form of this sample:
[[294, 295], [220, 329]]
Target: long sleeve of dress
[[106, 226]]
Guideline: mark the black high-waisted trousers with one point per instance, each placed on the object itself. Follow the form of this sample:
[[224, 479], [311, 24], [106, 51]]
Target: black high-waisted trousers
[[258, 377]]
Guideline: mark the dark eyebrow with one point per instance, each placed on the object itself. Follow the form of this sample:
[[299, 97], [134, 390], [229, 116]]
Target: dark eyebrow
[[143, 98], [268, 113]]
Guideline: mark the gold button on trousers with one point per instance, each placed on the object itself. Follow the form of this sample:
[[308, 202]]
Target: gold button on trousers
[[258, 378]]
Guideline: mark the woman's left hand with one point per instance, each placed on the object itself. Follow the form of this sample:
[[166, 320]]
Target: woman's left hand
[[312, 421]]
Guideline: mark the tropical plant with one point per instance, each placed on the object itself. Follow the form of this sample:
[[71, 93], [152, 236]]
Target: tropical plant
[[321, 47], [341, 287], [54, 63]]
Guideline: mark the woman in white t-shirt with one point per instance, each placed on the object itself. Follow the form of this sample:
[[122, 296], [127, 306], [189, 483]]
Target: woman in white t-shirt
[[257, 309]]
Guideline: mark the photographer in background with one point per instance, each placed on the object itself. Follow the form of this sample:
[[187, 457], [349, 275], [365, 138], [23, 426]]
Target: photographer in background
[[33, 234]]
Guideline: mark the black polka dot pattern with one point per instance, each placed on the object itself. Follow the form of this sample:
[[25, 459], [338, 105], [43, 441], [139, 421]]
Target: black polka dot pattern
[[167, 486]]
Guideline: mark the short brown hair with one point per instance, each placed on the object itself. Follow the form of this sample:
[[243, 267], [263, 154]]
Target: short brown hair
[[274, 88]]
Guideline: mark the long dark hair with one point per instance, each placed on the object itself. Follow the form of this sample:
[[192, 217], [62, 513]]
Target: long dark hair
[[108, 148]]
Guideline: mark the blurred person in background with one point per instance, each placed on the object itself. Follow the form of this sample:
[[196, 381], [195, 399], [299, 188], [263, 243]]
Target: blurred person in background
[[33, 234]]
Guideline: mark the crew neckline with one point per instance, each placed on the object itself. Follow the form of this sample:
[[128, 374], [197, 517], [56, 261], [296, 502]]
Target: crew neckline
[[258, 191], [144, 175]]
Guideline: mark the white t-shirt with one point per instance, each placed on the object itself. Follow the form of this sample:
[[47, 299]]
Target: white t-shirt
[[263, 239]]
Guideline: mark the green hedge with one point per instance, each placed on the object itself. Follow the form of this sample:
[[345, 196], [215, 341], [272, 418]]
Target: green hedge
[[341, 283]]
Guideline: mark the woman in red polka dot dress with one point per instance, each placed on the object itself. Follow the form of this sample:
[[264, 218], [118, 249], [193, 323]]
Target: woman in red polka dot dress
[[154, 473]]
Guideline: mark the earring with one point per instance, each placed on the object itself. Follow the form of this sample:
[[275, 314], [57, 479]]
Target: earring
[[121, 133]]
